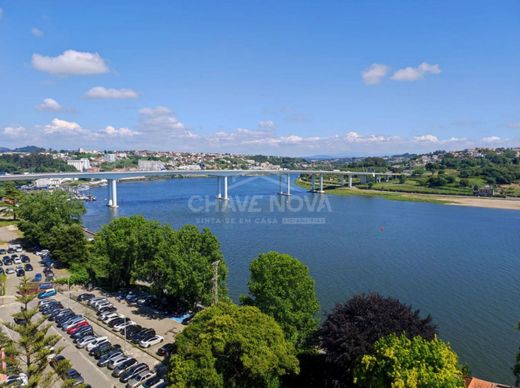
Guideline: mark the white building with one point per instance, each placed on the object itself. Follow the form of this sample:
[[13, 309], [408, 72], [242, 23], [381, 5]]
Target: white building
[[80, 165], [49, 182], [190, 167], [110, 158], [150, 165]]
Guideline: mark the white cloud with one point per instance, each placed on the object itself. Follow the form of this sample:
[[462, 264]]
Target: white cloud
[[102, 92], [426, 139], [63, 127], [15, 132], [491, 139], [50, 104], [71, 62], [267, 124], [374, 74], [111, 131], [415, 73], [161, 120], [36, 32]]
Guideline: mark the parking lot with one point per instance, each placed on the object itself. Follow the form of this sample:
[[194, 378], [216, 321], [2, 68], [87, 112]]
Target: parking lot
[[92, 374]]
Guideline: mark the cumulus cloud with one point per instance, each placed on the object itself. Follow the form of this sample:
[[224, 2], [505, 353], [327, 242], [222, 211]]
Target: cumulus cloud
[[50, 104], [491, 139], [71, 62], [15, 132], [415, 73], [119, 132], [267, 124], [37, 33], [374, 74], [109, 93], [161, 120], [63, 127], [426, 139]]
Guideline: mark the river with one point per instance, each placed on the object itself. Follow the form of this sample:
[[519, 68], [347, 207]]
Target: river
[[459, 264]]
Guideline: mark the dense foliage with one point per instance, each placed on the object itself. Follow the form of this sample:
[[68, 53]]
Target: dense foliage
[[282, 287], [33, 162], [231, 346], [351, 329], [176, 263], [401, 362], [29, 351], [68, 244], [41, 211]]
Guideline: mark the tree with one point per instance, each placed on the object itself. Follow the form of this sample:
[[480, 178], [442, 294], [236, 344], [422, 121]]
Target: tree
[[516, 368], [181, 268], [282, 287], [123, 243], [34, 344], [401, 362], [68, 244], [351, 329], [11, 197], [43, 210], [231, 346]]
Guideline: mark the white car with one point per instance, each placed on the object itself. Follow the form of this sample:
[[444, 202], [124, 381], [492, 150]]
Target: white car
[[139, 378], [85, 341], [107, 315], [17, 260], [95, 343], [20, 380], [108, 320], [152, 341], [118, 361], [122, 326], [43, 252]]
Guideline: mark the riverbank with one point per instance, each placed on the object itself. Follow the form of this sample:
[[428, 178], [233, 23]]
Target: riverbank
[[492, 203]]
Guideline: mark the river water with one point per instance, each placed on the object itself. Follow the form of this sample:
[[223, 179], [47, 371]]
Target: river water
[[459, 264]]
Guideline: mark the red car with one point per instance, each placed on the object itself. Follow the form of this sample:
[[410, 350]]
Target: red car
[[75, 328]]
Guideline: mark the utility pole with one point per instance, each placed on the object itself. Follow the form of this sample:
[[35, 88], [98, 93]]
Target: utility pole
[[215, 281]]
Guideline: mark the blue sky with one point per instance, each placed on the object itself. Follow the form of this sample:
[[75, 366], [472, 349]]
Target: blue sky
[[278, 77]]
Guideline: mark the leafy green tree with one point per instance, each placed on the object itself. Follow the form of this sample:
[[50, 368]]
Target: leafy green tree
[[231, 346], [123, 243], [351, 329], [68, 243], [41, 211], [181, 268], [282, 287], [33, 344], [11, 197], [401, 362], [516, 368]]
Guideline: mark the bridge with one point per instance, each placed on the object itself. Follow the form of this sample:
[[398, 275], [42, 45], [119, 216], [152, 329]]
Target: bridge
[[222, 178]]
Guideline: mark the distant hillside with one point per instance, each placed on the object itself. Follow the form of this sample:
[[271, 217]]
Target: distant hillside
[[30, 149]]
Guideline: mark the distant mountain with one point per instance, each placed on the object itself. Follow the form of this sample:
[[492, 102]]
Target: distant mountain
[[4, 149], [30, 149]]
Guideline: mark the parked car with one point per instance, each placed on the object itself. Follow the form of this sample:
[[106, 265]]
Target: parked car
[[106, 358], [73, 374], [133, 371], [9, 271], [152, 381], [123, 325], [116, 321], [2, 251], [37, 277], [140, 377], [20, 272], [165, 350], [147, 342], [95, 343], [85, 297], [46, 286], [47, 294], [1, 271], [16, 259], [25, 259], [19, 380], [76, 327], [82, 333], [100, 349], [122, 366], [28, 267], [85, 341]]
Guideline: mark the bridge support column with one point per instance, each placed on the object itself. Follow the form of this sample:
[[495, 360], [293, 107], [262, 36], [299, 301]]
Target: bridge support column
[[280, 185], [112, 193], [350, 181], [321, 185], [343, 180], [288, 184], [220, 194], [313, 183]]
